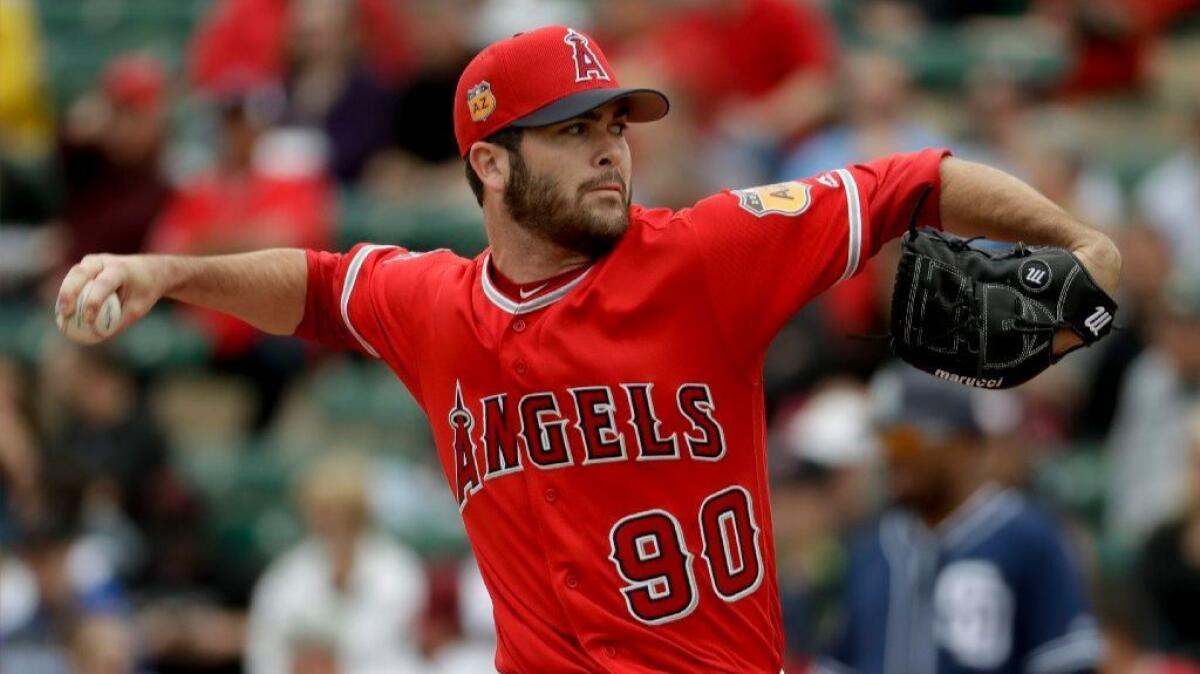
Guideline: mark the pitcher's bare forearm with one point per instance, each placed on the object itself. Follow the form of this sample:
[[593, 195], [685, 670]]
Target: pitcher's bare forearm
[[265, 288], [978, 200]]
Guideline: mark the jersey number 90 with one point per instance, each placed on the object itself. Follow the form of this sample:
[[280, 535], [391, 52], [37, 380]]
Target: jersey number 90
[[652, 557]]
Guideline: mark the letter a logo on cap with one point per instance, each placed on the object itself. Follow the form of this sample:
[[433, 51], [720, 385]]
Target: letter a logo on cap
[[587, 66]]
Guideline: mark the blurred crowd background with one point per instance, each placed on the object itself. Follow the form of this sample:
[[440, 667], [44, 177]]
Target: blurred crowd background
[[197, 497]]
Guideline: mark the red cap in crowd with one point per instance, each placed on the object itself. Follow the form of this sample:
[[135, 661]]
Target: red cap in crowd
[[135, 80], [541, 77]]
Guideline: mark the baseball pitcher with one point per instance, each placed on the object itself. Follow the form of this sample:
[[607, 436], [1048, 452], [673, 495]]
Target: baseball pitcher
[[594, 378]]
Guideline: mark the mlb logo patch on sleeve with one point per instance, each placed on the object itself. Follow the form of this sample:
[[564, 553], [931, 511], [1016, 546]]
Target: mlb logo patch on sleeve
[[790, 198]]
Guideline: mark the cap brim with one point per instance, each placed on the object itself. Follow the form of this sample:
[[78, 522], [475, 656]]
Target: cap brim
[[645, 105]]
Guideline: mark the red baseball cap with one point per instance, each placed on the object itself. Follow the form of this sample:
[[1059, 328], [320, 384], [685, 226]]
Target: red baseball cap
[[135, 80], [541, 77]]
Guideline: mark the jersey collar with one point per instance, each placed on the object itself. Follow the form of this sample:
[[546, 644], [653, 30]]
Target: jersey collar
[[987, 509], [536, 300]]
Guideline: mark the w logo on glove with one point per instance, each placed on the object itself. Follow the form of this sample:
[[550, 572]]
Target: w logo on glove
[[1035, 275], [1099, 318]]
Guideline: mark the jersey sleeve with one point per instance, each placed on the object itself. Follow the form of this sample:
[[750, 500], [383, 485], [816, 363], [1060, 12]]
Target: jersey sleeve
[[766, 251], [355, 301], [1055, 631]]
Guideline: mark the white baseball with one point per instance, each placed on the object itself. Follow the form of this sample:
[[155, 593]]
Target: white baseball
[[107, 319]]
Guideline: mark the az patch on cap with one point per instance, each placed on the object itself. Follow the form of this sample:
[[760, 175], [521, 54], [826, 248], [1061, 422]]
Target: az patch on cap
[[480, 101], [790, 198]]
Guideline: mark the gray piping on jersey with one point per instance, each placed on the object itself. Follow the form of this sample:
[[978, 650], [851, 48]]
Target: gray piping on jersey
[[923, 637], [1004, 505], [348, 288], [412, 256], [988, 508], [922, 549], [854, 208], [498, 298], [1080, 649], [891, 542], [964, 514], [830, 666]]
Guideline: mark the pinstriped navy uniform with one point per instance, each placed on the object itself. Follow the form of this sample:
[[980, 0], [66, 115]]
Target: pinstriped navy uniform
[[992, 590]]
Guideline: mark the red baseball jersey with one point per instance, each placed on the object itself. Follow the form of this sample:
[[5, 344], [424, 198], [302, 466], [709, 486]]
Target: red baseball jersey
[[604, 436]]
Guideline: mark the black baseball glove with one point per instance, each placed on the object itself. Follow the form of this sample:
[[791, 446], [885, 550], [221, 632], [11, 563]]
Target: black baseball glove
[[988, 320]]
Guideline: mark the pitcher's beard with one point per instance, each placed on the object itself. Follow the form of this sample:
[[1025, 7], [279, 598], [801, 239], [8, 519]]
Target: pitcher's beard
[[538, 204]]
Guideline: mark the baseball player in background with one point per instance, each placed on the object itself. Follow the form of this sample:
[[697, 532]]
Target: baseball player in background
[[594, 378], [961, 575]]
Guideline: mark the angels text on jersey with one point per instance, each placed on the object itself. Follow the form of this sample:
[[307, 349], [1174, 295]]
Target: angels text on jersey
[[499, 435]]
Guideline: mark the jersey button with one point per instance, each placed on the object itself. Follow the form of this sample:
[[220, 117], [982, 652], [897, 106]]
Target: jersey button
[[610, 651], [520, 366], [551, 496], [519, 325], [572, 581]]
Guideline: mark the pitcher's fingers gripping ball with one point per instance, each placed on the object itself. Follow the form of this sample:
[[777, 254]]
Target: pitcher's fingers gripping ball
[[79, 329], [102, 294], [989, 320]]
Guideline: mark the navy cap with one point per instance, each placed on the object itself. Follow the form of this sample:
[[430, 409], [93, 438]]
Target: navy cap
[[909, 397]]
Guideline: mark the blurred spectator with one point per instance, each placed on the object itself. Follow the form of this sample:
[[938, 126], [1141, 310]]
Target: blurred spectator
[[822, 454], [146, 522], [26, 131], [1111, 41], [251, 36], [800, 356], [1169, 197], [422, 159], [331, 88], [110, 152], [1147, 265], [1063, 171], [494, 20], [746, 77], [59, 581], [21, 499], [831, 433], [107, 450], [340, 61], [877, 119], [25, 122], [1169, 568], [1041, 144], [267, 190], [1147, 446], [475, 652], [346, 599], [103, 645], [753, 67], [999, 105], [960, 575]]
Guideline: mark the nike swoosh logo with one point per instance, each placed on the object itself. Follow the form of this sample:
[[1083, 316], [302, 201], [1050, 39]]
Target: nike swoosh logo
[[526, 294]]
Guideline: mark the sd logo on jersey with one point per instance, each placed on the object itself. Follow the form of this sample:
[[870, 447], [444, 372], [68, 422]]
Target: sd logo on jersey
[[790, 198], [481, 101]]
